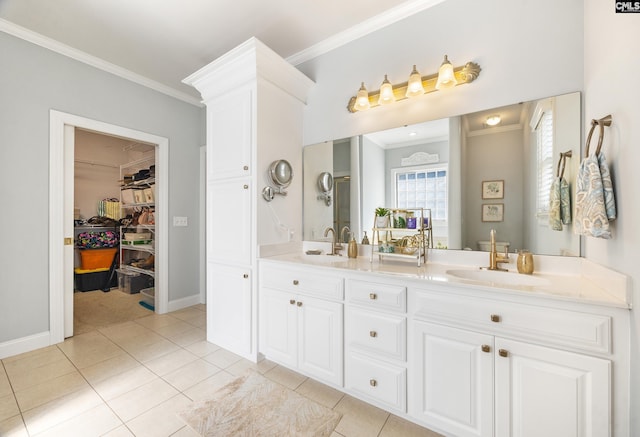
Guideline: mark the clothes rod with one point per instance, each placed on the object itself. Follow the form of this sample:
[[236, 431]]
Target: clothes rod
[[82, 161]]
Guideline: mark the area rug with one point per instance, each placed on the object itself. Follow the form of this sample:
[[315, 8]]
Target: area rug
[[252, 405]]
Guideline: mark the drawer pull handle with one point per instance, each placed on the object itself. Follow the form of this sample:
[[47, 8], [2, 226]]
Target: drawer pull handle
[[373, 334], [245, 276], [299, 304], [373, 382], [495, 318], [292, 302], [373, 296], [245, 186], [503, 353], [246, 167], [486, 348], [295, 282]]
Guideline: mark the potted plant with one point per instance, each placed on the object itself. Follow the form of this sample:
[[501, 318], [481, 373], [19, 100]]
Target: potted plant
[[382, 217]]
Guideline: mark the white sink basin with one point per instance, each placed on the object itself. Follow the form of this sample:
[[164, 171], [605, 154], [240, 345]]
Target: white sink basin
[[497, 277]]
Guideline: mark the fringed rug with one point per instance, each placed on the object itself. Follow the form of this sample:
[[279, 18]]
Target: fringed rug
[[252, 405]]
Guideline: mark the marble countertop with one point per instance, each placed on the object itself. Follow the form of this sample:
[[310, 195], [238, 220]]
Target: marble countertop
[[574, 281]]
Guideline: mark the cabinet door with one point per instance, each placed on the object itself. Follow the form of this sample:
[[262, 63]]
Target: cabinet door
[[229, 307], [547, 392], [229, 232], [451, 384], [278, 326], [320, 327], [230, 133]]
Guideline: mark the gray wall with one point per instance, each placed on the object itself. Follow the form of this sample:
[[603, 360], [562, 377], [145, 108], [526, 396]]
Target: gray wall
[[34, 80]]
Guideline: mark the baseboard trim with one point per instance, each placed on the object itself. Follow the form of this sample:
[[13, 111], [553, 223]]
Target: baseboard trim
[[185, 302], [25, 344]]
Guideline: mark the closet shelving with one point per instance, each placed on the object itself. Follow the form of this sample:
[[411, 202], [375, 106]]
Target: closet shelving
[[137, 240]]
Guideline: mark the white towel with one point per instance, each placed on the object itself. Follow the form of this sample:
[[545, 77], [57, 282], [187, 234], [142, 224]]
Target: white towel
[[594, 200]]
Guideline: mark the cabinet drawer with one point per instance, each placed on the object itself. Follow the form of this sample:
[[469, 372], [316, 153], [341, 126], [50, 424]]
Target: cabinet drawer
[[376, 380], [376, 332], [376, 295], [297, 280], [573, 329]]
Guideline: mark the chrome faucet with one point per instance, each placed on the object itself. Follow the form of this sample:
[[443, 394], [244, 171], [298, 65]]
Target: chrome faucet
[[494, 257], [333, 241]]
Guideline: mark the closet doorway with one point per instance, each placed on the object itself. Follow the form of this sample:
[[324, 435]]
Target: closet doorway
[[63, 129]]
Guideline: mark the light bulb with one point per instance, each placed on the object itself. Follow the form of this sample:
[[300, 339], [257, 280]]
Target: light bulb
[[414, 85], [362, 99], [446, 78], [386, 92], [493, 120]]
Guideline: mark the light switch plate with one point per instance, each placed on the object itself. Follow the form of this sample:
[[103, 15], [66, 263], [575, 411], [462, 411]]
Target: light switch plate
[[180, 221]]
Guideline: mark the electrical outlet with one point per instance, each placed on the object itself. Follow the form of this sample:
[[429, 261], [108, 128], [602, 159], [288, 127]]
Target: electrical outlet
[[180, 221]]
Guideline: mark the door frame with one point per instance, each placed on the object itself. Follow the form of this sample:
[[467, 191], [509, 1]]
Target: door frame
[[61, 182]]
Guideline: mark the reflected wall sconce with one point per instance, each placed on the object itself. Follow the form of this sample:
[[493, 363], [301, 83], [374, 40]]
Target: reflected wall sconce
[[325, 186], [448, 76]]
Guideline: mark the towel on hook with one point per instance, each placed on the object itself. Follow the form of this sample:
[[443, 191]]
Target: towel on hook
[[594, 200], [559, 204]]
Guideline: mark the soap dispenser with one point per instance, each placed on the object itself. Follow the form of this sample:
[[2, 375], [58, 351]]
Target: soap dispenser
[[365, 239], [352, 249]]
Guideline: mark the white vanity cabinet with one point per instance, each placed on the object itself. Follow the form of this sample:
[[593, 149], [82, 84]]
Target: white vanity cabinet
[[376, 342], [301, 321], [483, 367], [254, 101]]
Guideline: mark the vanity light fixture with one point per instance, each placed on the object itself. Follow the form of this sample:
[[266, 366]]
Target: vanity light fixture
[[493, 120], [414, 86], [448, 76], [386, 92]]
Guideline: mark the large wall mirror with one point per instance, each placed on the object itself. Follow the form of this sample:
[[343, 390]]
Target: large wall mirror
[[474, 175]]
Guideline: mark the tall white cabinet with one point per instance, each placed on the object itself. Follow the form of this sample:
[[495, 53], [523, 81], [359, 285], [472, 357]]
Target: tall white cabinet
[[254, 101]]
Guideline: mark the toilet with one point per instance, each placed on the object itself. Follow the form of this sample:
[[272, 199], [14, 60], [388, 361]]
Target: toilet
[[501, 246]]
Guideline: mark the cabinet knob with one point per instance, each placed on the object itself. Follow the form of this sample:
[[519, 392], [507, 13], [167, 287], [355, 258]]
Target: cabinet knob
[[373, 334], [299, 304], [292, 301], [486, 348], [503, 353], [246, 167], [245, 276], [495, 318], [296, 282], [373, 296], [246, 187], [373, 382]]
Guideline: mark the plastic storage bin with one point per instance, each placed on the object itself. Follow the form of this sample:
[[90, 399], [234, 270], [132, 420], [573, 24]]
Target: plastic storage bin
[[92, 259], [133, 282], [88, 280], [148, 298]]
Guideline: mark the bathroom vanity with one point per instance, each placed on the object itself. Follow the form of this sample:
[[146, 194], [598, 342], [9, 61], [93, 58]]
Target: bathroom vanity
[[453, 349]]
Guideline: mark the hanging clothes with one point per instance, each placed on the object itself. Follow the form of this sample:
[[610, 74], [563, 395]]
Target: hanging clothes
[[560, 197], [595, 202]]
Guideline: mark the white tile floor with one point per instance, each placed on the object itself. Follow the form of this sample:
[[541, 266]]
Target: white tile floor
[[130, 379]]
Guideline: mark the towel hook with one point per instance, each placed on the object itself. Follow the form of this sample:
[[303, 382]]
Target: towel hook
[[602, 122]]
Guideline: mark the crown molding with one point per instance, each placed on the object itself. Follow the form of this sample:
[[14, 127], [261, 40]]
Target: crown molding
[[366, 27], [78, 55]]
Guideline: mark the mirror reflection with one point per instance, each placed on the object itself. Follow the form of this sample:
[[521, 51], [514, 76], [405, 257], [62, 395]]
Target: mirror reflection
[[487, 170]]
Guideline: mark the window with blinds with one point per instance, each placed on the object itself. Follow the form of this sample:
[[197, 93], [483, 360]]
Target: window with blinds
[[544, 136], [425, 187]]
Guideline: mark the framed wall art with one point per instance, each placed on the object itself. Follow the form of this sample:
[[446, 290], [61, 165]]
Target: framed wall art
[[493, 212], [493, 189]]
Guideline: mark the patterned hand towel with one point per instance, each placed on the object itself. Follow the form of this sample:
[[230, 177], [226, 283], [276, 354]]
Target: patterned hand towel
[[595, 203], [559, 204]]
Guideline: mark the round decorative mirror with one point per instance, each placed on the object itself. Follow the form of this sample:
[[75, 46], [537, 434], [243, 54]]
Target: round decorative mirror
[[281, 173], [325, 182]]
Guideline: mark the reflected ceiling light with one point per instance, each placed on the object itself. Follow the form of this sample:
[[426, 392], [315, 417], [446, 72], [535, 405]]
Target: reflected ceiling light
[[362, 99], [386, 92], [493, 120], [447, 77], [414, 85]]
